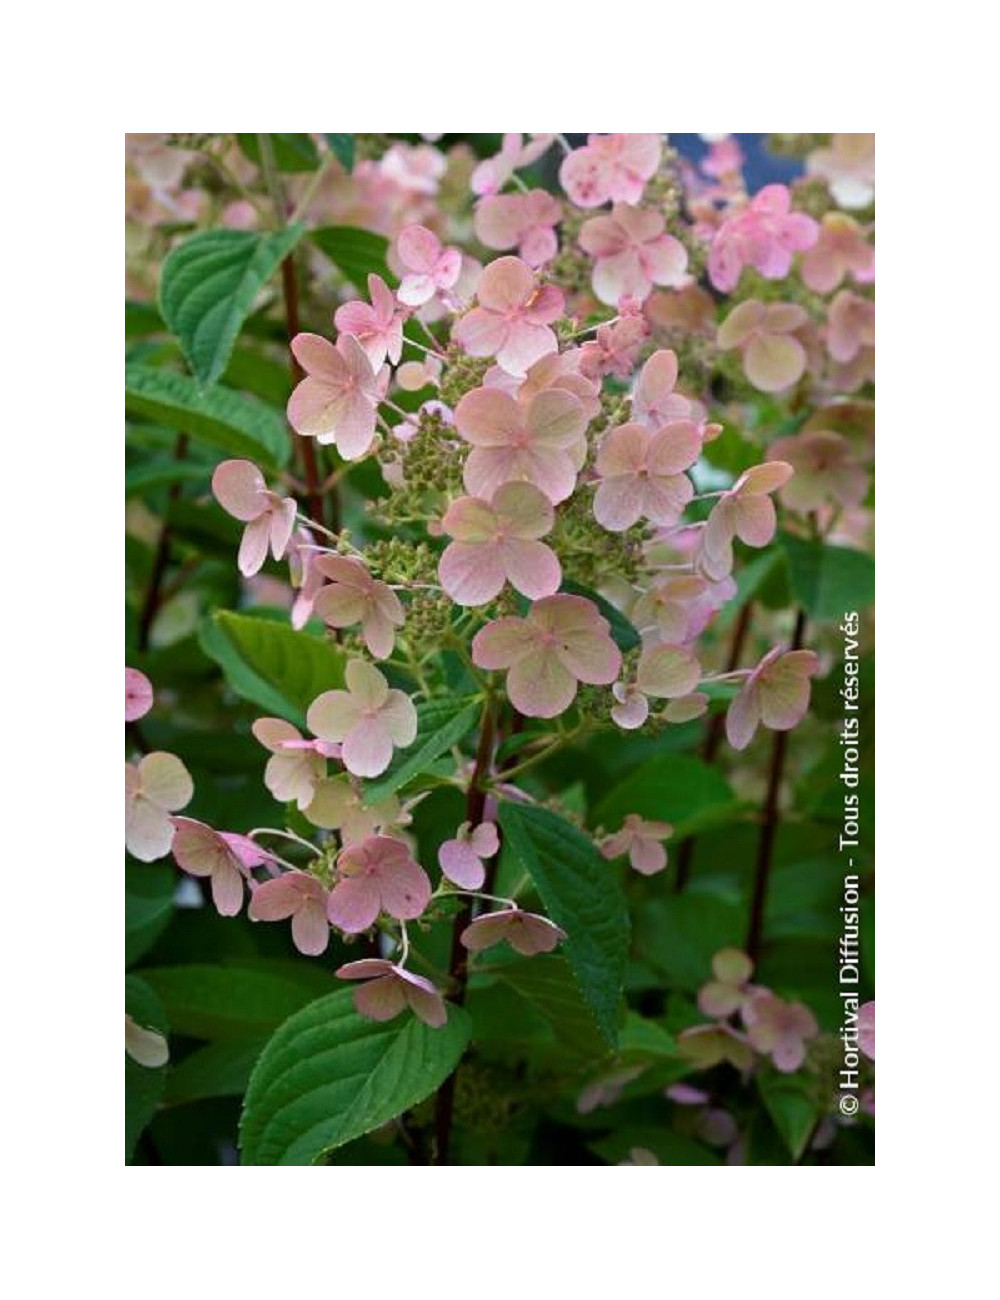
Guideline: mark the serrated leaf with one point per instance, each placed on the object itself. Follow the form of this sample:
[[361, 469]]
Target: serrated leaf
[[548, 985], [673, 788], [829, 581], [230, 422], [208, 285], [234, 1002], [440, 724], [272, 664], [329, 1076], [580, 894], [622, 632], [342, 148], [357, 253]]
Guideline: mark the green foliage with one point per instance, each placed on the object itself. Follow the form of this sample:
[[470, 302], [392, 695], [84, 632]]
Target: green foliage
[[144, 1087], [828, 581], [149, 905], [356, 253], [342, 148], [293, 152], [235, 1001], [673, 788], [440, 725]]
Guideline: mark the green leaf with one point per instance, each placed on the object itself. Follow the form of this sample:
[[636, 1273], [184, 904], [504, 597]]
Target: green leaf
[[149, 905], [792, 1109], [270, 663], [140, 479], [623, 633], [143, 1087], [581, 895], [230, 422], [440, 724], [328, 1076], [342, 148], [674, 788], [237, 1001], [669, 1147], [208, 285], [829, 581], [293, 151], [357, 253], [548, 985], [678, 935], [217, 1070]]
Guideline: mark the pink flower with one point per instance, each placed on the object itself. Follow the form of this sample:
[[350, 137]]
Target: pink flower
[[826, 469], [850, 326], [296, 765], [416, 168], [511, 442], [610, 167], [654, 401], [667, 672], [392, 990], [377, 875], [368, 719], [640, 839], [848, 167], [337, 400], [779, 1029], [492, 174], [304, 575], [670, 608], [842, 248], [521, 221], [632, 253], [630, 709], [461, 859], [138, 694], [354, 596], [300, 896], [240, 489], [526, 933], [765, 235], [430, 267], [336, 805], [746, 511], [615, 349], [776, 693], [772, 360], [642, 475], [379, 327], [563, 640], [726, 993], [512, 320], [866, 1029], [497, 542], [154, 788], [223, 857]]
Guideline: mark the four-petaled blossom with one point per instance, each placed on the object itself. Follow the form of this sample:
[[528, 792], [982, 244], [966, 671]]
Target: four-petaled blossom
[[300, 896], [842, 248], [521, 221], [296, 765], [461, 859], [778, 1029], [866, 1029], [492, 174], [848, 167], [773, 359], [776, 693], [392, 989], [642, 474], [727, 991], [607, 167], [513, 317], [241, 490], [615, 349], [746, 511], [641, 840], [157, 786], [377, 875], [368, 719], [221, 856], [497, 542], [430, 267], [526, 933], [378, 327], [138, 694], [354, 596], [511, 442], [336, 402], [562, 641], [632, 252], [826, 469], [850, 326], [765, 235]]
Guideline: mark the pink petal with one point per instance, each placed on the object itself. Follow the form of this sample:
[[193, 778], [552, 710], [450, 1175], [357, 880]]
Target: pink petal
[[460, 864], [472, 574], [165, 781], [501, 642], [239, 487], [743, 717], [540, 686], [383, 999], [367, 748], [138, 694], [353, 904], [531, 568]]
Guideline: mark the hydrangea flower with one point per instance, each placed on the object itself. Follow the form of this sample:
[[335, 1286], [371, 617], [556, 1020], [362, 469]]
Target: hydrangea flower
[[513, 317], [848, 167], [614, 167], [632, 252], [296, 765], [336, 805], [145, 1046], [654, 402], [766, 235], [461, 859], [826, 469], [367, 719], [430, 267], [776, 693], [378, 327], [842, 249], [522, 221], [779, 1029], [512, 442], [746, 511], [492, 174], [562, 641], [706, 1046], [354, 596], [241, 490], [300, 896], [866, 1029], [726, 992], [615, 348], [631, 708], [642, 476], [157, 786], [773, 359], [526, 933], [641, 840], [392, 989], [850, 326], [221, 856], [497, 542], [377, 875], [667, 672], [669, 608], [138, 694], [337, 401]]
